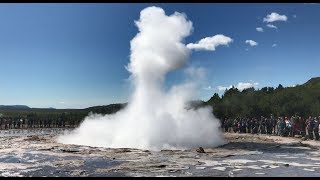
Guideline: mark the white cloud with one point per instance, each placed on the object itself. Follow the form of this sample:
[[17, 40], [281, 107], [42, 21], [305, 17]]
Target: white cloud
[[295, 16], [210, 43], [61, 102], [272, 26], [251, 42], [195, 72], [223, 88], [274, 45], [241, 86], [275, 17], [209, 88], [259, 29]]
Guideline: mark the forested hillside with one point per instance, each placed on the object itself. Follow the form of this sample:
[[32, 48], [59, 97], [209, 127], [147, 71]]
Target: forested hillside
[[281, 101]]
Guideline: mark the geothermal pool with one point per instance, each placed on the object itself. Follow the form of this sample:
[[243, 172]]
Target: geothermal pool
[[36, 153]]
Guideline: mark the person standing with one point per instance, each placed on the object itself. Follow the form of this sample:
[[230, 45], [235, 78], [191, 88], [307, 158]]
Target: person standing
[[310, 125], [10, 123], [235, 126], [296, 125], [224, 124], [316, 128], [288, 126], [274, 123], [5, 123], [14, 120], [269, 126], [262, 125], [229, 122], [302, 126], [249, 125], [255, 126], [17, 122], [282, 127]]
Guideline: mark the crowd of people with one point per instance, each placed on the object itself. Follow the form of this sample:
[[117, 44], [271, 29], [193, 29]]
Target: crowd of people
[[23, 123], [281, 126]]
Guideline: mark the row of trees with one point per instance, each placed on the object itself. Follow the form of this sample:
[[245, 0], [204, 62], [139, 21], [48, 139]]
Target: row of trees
[[53, 117], [303, 100]]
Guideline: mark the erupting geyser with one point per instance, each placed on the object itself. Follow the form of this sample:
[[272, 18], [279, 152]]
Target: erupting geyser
[[154, 118]]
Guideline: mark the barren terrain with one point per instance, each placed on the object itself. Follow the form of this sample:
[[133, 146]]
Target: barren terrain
[[36, 153]]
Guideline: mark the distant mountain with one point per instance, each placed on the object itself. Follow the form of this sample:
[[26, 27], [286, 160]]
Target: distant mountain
[[106, 109], [19, 107], [49, 108]]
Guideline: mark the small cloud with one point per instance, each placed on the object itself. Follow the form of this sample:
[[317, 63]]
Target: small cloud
[[61, 102], [210, 43], [259, 29], [241, 86], [247, 49], [245, 85], [272, 26], [295, 16], [275, 17], [274, 45], [195, 72], [223, 88], [251, 42], [209, 88]]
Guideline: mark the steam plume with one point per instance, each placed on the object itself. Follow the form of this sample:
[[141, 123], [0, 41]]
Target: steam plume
[[154, 118]]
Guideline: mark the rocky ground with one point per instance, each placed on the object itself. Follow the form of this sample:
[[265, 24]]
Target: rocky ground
[[36, 153]]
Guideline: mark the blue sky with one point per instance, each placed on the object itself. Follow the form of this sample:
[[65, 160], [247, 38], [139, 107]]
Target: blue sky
[[74, 55]]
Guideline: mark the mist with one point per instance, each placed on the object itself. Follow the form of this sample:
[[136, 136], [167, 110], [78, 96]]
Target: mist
[[155, 118]]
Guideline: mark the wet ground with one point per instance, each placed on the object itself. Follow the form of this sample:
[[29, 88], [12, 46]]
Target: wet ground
[[36, 153]]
